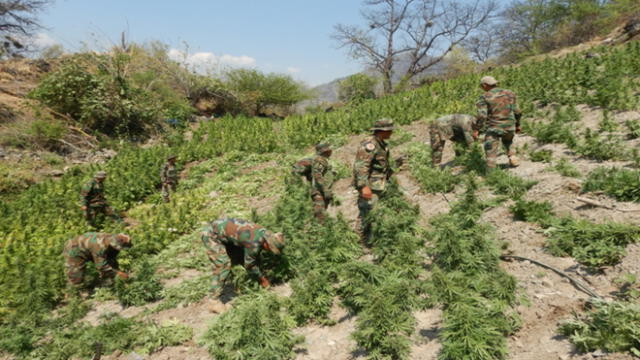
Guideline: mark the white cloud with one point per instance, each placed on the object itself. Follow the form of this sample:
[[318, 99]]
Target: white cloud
[[43, 40], [203, 61], [293, 70]]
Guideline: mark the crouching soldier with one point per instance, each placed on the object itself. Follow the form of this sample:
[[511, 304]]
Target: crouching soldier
[[94, 203], [458, 128], [100, 248], [231, 242], [169, 177], [321, 181]]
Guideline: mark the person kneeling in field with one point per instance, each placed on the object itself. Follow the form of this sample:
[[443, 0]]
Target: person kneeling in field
[[100, 248], [231, 242], [458, 128]]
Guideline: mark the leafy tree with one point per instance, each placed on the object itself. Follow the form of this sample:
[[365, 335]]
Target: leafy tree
[[17, 20], [421, 31], [256, 90], [357, 88]]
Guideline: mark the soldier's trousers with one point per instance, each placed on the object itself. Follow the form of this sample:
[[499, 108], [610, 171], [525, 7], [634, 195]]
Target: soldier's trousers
[[492, 142], [221, 264], [96, 215], [320, 205], [438, 141], [76, 266], [363, 224], [167, 189]]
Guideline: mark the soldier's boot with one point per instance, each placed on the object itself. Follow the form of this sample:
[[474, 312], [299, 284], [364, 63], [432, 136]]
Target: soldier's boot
[[513, 161]]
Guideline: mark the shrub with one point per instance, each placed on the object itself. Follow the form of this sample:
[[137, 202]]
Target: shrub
[[600, 148], [611, 327], [594, 245], [533, 211], [432, 180], [621, 184], [504, 183], [559, 130], [565, 168], [634, 129], [256, 328], [140, 289], [312, 297], [357, 88], [541, 156]]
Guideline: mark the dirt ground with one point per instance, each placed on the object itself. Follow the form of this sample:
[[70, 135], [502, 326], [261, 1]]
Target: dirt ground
[[550, 298]]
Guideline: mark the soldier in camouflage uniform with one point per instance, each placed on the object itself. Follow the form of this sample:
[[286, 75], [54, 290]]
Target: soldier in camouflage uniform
[[100, 248], [94, 204], [231, 242], [498, 111], [169, 177], [321, 181], [371, 171], [457, 128]]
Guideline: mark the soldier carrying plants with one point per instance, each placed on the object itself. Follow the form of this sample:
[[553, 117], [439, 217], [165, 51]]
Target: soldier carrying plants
[[94, 203], [457, 128]]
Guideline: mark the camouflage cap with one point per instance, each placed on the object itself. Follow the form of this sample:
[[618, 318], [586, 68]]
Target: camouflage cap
[[172, 156], [120, 241], [275, 241], [489, 80], [100, 175], [384, 124], [322, 147]]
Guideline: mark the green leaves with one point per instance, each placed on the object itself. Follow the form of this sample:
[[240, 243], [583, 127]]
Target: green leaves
[[621, 184]]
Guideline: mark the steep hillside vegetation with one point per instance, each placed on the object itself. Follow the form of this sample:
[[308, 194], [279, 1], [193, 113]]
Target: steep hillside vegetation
[[446, 288]]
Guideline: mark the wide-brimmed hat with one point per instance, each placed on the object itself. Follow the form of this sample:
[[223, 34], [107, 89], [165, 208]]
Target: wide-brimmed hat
[[322, 147], [384, 124], [489, 80], [100, 175], [275, 241]]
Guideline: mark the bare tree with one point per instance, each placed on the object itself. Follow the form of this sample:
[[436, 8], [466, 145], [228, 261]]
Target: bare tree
[[17, 21], [484, 44], [420, 32]]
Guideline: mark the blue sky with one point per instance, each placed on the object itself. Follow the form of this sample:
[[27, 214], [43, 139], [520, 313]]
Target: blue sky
[[286, 36]]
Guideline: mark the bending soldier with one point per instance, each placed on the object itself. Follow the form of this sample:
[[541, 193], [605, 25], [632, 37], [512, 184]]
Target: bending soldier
[[321, 181], [100, 248], [231, 242], [498, 111], [371, 173], [169, 177], [457, 128], [94, 204]]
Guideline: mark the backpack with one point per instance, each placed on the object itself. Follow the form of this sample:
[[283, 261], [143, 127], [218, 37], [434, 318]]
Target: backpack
[[302, 167]]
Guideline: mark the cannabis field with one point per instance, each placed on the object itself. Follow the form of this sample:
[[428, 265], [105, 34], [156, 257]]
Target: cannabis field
[[436, 282]]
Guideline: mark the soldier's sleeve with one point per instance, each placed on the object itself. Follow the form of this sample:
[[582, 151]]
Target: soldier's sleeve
[[163, 173], [84, 194], [318, 171], [102, 263], [252, 260], [516, 110], [483, 113], [362, 165]]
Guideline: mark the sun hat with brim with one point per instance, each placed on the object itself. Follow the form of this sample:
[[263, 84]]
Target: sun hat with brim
[[275, 241], [489, 80], [384, 124], [100, 175]]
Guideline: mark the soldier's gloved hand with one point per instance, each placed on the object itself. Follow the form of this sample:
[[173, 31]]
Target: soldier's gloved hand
[[123, 275], [264, 282], [366, 193]]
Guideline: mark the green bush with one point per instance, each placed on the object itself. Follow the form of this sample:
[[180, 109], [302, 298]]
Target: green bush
[[256, 328], [432, 180], [312, 297], [600, 148], [611, 327], [634, 129], [357, 88], [621, 184], [504, 183], [565, 168], [541, 156], [141, 288], [533, 211], [594, 245]]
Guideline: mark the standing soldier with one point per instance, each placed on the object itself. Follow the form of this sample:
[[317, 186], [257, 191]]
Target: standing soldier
[[169, 177], [457, 128], [100, 248], [371, 172], [94, 204], [321, 181], [231, 242], [498, 110]]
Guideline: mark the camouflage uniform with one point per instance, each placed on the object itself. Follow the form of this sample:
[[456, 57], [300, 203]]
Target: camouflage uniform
[[498, 111], [457, 128], [321, 182], [231, 242], [169, 178], [371, 168], [100, 248], [92, 197]]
